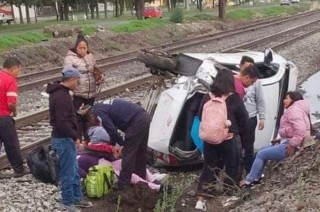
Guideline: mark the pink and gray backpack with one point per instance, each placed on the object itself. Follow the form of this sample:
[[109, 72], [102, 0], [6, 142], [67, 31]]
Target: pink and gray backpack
[[214, 126]]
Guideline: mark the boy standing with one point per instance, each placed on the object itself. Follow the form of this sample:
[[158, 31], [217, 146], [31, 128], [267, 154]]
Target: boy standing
[[64, 137]]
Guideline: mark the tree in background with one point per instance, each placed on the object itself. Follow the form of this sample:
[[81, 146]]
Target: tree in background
[[222, 9]]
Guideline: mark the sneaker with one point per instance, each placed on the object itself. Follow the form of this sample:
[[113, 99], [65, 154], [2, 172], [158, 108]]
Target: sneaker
[[201, 205], [83, 204], [20, 174], [246, 184], [159, 177], [71, 208]]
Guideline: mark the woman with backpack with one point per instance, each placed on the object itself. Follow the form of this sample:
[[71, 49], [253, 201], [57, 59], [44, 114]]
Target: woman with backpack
[[226, 149], [295, 125]]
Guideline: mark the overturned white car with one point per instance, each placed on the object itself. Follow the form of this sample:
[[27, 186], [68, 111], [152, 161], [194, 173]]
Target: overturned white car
[[176, 106]]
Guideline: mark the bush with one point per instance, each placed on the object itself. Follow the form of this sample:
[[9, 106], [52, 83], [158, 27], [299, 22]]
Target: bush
[[176, 15]]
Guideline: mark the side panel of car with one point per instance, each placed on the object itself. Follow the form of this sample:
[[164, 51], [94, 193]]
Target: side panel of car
[[165, 117]]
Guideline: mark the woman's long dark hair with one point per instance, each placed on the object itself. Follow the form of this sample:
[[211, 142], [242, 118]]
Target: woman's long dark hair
[[295, 96], [223, 83], [80, 38]]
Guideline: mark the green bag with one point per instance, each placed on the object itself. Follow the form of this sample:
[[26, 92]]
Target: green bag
[[99, 181]]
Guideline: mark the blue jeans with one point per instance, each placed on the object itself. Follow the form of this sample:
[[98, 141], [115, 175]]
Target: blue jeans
[[276, 152], [68, 173]]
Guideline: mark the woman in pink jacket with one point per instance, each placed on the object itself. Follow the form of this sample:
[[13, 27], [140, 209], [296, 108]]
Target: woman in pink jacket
[[294, 127]]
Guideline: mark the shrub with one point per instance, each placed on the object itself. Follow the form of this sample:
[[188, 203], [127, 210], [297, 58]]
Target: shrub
[[176, 15]]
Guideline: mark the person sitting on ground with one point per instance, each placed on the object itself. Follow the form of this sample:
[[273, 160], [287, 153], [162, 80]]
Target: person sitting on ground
[[294, 127], [86, 161], [99, 139], [97, 134]]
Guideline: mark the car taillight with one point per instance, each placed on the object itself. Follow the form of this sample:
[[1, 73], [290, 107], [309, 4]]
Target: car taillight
[[171, 159]]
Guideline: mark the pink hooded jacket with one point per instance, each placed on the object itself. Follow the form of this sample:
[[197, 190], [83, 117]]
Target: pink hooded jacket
[[295, 123]]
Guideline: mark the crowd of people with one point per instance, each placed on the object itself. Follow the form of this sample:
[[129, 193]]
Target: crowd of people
[[80, 126], [246, 110]]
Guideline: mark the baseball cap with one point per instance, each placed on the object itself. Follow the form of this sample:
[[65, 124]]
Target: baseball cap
[[69, 72]]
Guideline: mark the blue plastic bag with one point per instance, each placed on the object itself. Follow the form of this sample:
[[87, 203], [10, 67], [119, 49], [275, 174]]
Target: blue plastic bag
[[195, 133]]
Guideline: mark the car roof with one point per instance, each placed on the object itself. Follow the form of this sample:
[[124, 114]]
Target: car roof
[[234, 58]]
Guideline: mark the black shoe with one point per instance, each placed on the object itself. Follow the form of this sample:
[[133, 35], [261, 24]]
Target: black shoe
[[167, 188], [249, 185]]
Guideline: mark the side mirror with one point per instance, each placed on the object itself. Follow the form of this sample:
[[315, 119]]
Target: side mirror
[[268, 56]]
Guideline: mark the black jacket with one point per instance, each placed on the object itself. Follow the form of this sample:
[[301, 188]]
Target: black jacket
[[62, 113], [237, 112], [118, 114]]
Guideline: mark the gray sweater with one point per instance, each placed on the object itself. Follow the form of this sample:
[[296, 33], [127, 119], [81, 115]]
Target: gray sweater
[[254, 101]]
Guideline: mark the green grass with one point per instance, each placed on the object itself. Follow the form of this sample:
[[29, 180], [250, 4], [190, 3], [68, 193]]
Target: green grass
[[137, 25], [242, 14], [11, 41], [89, 30], [269, 11], [281, 10], [200, 17]]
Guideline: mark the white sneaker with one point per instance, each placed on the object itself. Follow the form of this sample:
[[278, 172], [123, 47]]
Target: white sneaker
[[201, 205], [159, 177]]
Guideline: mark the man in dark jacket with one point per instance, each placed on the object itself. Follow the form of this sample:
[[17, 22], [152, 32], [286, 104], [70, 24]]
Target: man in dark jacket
[[64, 136], [134, 121]]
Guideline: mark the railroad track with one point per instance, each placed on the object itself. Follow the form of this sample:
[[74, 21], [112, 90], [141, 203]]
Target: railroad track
[[29, 82], [281, 39], [39, 121]]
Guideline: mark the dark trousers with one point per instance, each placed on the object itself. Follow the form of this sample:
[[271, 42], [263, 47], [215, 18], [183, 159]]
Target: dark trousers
[[8, 135], [134, 152], [82, 123], [247, 138], [228, 151]]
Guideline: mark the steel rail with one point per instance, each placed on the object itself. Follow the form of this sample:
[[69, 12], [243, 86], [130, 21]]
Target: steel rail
[[110, 91], [4, 162], [251, 44], [131, 56]]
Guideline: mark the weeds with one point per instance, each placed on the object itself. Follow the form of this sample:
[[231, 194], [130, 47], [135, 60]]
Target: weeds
[[169, 200], [112, 45], [89, 30], [177, 15], [118, 204], [301, 187]]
